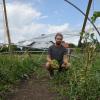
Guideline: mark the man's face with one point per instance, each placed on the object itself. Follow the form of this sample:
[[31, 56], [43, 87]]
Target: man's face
[[58, 40]]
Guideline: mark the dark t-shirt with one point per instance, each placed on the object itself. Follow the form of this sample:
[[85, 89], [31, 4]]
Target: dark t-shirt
[[57, 53]]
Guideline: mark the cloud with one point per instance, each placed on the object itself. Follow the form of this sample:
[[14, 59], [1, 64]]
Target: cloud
[[22, 17], [39, 1], [21, 14], [36, 29], [58, 28], [24, 24], [27, 32], [42, 17], [27, 1], [3, 36]]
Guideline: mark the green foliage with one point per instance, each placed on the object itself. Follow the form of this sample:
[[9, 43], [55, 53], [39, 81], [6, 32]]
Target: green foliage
[[71, 45], [15, 48], [55, 63], [96, 14], [14, 68], [81, 81], [4, 49]]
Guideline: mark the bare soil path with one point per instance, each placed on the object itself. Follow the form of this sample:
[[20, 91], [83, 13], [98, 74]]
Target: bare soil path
[[33, 89]]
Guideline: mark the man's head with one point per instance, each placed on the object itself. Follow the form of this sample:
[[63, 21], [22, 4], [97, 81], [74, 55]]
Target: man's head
[[58, 38]]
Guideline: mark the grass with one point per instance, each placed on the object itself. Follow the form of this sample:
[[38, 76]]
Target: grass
[[14, 68], [75, 85], [72, 84]]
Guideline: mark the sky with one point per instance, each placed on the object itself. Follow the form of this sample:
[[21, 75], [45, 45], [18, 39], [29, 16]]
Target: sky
[[31, 18]]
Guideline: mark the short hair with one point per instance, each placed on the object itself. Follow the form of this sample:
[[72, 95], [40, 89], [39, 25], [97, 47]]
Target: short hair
[[59, 34]]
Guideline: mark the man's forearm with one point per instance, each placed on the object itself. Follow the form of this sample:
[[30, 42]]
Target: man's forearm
[[48, 59], [65, 59]]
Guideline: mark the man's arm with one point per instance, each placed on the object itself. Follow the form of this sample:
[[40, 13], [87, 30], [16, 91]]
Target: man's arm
[[65, 59], [49, 55], [48, 58]]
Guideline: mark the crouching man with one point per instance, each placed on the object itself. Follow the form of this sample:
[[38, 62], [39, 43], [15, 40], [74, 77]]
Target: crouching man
[[59, 53]]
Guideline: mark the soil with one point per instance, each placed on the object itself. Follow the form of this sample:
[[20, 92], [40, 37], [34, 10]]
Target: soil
[[32, 89]]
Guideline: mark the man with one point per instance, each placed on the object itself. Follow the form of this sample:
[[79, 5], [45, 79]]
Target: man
[[59, 53]]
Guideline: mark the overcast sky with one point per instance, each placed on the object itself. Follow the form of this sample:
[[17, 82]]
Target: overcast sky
[[31, 18]]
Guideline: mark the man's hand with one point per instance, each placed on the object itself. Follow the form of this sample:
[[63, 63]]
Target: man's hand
[[66, 65]]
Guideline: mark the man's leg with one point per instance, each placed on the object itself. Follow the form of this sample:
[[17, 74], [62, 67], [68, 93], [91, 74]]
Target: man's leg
[[50, 69], [60, 68]]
